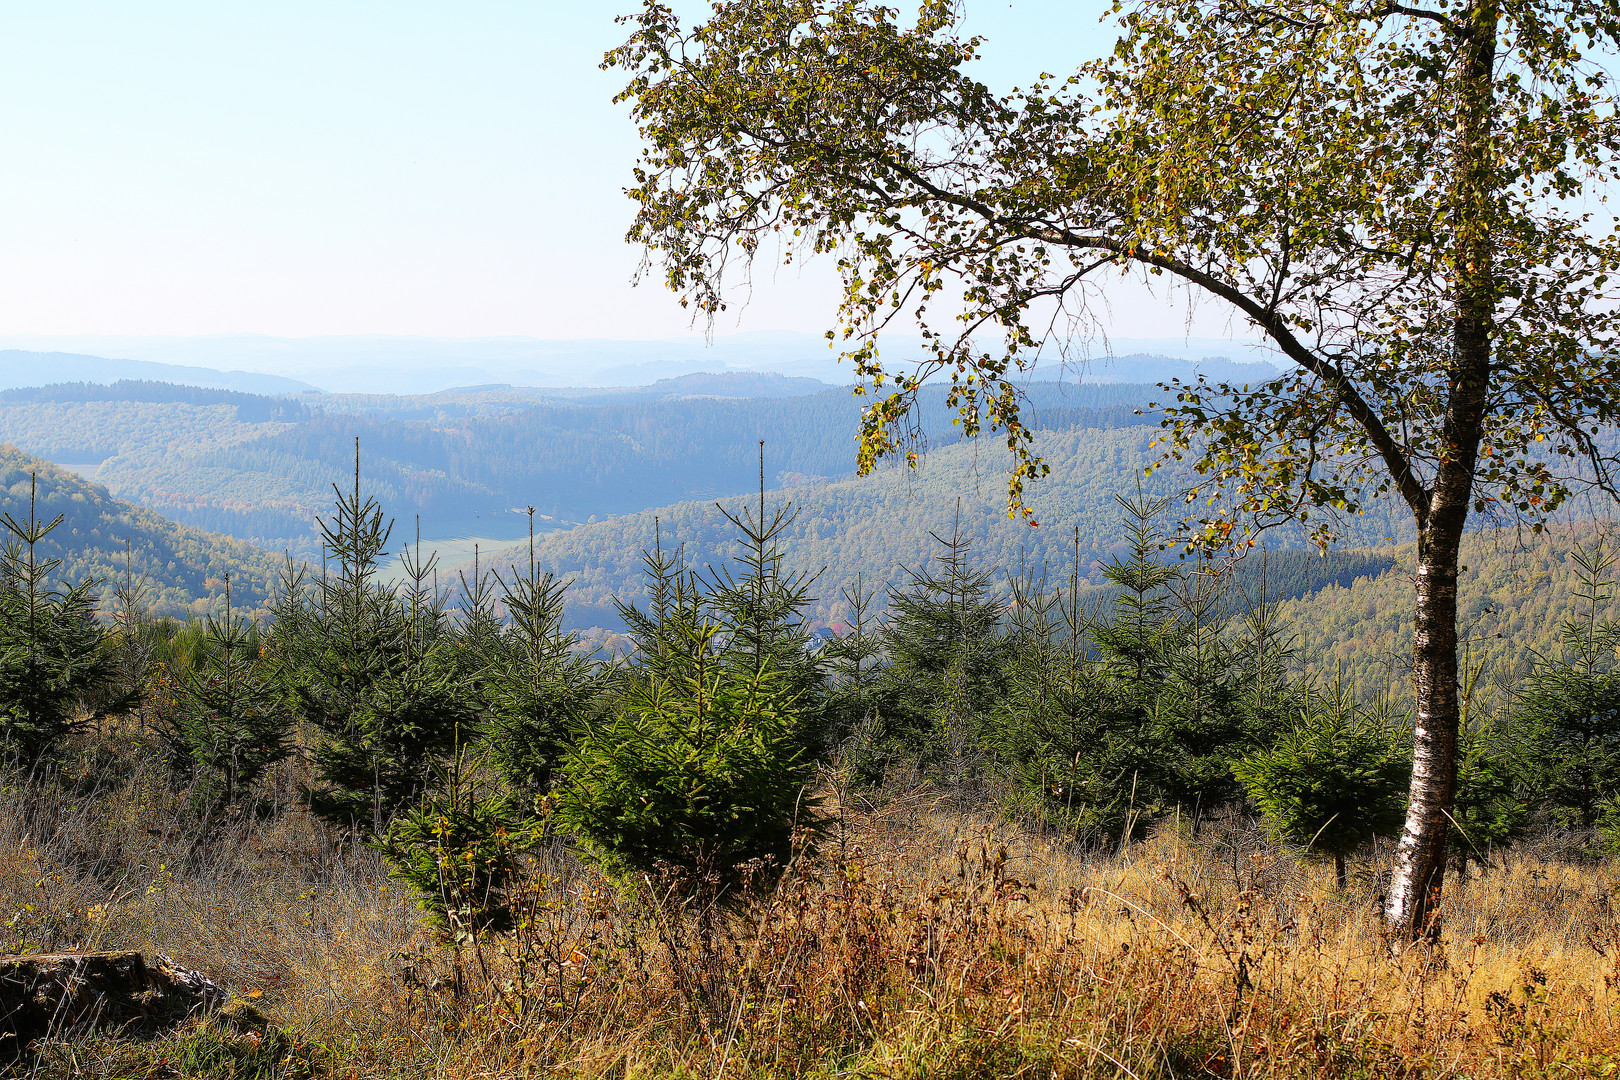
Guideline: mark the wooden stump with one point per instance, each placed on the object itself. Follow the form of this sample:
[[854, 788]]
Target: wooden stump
[[68, 993]]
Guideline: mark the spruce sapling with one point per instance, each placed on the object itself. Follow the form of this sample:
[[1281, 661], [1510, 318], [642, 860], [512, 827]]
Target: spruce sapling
[[1332, 783], [227, 721], [51, 658], [542, 689], [1571, 704], [698, 772], [374, 673]]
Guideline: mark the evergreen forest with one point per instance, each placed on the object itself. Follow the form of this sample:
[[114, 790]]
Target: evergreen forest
[[467, 462]]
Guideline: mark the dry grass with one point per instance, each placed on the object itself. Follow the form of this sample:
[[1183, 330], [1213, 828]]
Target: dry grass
[[919, 943]]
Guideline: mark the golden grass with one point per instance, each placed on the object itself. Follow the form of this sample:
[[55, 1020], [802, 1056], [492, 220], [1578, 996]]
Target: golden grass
[[918, 943]]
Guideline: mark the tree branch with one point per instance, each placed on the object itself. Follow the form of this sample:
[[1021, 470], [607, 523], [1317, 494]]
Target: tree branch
[[1395, 459]]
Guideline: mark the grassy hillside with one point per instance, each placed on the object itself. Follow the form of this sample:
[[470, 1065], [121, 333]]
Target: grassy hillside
[[102, 537], [923, 942]]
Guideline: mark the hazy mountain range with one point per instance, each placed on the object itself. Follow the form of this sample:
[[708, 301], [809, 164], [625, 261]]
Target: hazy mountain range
[[408, 365], [19, 368]]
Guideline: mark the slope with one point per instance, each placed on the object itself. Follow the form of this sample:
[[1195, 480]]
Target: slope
[[20, 368], [877, 526], [1348, 614], [261, 468], [1517, 590], [182, 568]]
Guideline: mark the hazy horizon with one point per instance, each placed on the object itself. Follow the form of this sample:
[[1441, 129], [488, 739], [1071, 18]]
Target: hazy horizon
[[416, 364]]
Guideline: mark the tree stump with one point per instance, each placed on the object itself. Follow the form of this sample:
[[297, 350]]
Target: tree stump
[[69, 993]]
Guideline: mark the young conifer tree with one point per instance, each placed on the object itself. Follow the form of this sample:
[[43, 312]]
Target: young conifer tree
[[1136, 640], [1140, 632], [541, 689], [1332, 783], [1071, 770], [698, 772], [854, 701], [1263, 655], [1495, 778], [462, 849], [479, 628], [762, 607], [947, 653], [132, 645], [1203, 725], [374, 672], [228, 721], [50, 645], [1571, 702]]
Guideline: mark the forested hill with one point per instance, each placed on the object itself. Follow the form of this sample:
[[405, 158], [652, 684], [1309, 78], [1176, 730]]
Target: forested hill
[[497, 399], [260, 469], [879, 525], [575, 462], [248, 408], [1514, 596], [183, 568], [1349, 613]]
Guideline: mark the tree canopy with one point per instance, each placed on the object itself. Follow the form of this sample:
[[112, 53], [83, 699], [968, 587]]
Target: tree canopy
[[1301, 166]]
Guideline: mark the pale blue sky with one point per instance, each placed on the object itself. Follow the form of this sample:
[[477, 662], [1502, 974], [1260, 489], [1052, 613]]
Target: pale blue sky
[[416, 168]]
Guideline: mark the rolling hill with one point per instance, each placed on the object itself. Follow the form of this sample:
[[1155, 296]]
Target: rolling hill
[[23, 368], [876, 526], [261, 468], [415, 365], [1348, 614], [183, 568]]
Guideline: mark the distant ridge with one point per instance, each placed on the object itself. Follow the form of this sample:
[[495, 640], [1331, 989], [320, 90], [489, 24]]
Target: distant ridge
[[499, 397], [706, 384], [21, 369], [367, 364], [1155, 368], [249, 407], [737, 384]]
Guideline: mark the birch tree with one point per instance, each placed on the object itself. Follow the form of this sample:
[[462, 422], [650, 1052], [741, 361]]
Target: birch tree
[[1404, 198]]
